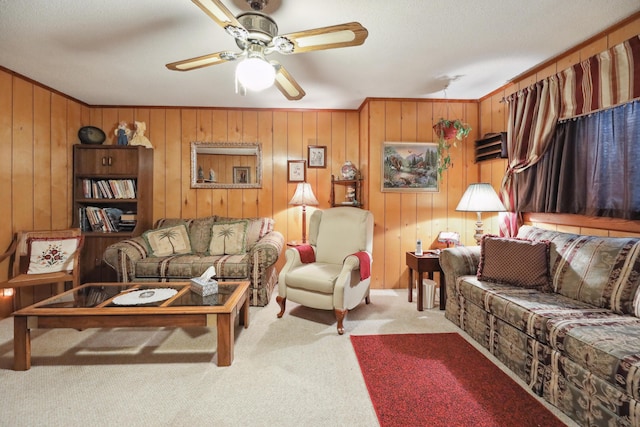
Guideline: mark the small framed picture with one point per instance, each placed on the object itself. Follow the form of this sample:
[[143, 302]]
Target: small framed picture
[[241, 175], [296, 171], [317, 156]]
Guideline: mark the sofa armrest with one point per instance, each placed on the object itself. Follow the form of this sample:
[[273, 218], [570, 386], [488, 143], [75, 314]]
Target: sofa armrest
[[267, 250], [460, 261], [123, 255]]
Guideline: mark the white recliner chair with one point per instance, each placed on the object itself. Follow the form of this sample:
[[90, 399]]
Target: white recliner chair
[[333, 271]]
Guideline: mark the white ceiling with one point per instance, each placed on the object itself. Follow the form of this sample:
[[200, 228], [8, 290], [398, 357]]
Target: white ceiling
[[114, 52]]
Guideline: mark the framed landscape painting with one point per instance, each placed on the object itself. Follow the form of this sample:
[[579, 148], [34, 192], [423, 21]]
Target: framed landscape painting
[[409, 166]]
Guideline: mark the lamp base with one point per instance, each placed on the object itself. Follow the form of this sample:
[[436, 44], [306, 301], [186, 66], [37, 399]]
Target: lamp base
[[479, 230], [304, 224]]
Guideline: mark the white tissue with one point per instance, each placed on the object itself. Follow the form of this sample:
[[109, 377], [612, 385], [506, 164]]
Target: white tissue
[[205, 284], [208, 274]]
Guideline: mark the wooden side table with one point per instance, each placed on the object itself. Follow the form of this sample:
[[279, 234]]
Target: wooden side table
[[427, 263]]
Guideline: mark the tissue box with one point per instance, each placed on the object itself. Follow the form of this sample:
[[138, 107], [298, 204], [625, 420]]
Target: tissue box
[[204, 287]]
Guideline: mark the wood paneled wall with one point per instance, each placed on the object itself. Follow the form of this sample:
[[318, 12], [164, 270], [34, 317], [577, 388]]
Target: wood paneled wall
[[284, 135], [401, 218], [37, 129]]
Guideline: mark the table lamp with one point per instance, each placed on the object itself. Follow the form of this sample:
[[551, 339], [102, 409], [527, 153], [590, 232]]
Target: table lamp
[[480, 198], [304, 197]]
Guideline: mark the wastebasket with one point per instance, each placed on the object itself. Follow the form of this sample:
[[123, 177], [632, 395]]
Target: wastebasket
[[428, 293]]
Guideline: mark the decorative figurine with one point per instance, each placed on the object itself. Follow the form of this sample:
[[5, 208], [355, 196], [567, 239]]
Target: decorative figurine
[[123, 133], [212, 176], [138, 136], [350, 195]]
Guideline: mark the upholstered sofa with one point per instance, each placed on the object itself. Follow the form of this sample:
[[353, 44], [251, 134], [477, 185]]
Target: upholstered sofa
[[180, 249], [572, 333]]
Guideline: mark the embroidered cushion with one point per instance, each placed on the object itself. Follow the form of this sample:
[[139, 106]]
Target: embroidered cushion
[[518, 262], [167, 241], [50, 255], [229, 238]]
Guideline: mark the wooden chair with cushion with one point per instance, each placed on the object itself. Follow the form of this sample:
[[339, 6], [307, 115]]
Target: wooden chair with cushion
[[43, 257], [333, 271]]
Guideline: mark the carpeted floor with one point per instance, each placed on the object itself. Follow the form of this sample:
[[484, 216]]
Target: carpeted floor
[[294, 371], [442, 380]]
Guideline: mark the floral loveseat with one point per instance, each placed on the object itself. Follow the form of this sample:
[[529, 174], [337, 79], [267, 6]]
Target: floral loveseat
[[179, 249], [562, 314]]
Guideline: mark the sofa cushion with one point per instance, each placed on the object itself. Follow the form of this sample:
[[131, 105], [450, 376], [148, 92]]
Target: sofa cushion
[[184, 267], [229, 238], [199, 230], [167, 241], [318, 277], [518, 262], [527, 310], [607, 346], [603, 271], [256, 230]]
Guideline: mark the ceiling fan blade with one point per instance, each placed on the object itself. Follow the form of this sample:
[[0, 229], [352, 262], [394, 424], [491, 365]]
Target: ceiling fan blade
[[218, 12], [202, 61], [286, 84], [343, 35]]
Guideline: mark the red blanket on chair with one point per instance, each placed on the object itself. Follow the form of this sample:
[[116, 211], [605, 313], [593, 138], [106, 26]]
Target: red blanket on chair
[[365, 264], [307, 254]]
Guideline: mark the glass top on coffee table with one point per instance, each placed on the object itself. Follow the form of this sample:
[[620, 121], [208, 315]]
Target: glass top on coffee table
[[145, 294]]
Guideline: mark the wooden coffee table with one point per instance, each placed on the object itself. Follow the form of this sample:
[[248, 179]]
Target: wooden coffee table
[[91, 306]]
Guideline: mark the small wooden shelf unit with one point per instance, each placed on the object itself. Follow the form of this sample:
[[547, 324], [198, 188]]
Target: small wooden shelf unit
[[356, 183]]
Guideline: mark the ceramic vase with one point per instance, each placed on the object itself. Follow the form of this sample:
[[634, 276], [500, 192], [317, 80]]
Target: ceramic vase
[[348, 170]]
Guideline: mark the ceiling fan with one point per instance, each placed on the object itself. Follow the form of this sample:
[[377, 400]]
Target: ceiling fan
[[257, 35]]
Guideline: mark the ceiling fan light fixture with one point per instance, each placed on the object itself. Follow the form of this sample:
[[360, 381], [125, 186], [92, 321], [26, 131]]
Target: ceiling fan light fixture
[[255, 74]]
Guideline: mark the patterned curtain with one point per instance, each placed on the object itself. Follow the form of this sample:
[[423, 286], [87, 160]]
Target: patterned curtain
[[533, 114], [571, 179], [604, 80]]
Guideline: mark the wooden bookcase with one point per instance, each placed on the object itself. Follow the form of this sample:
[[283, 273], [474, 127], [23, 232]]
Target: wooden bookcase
[[103, 176]]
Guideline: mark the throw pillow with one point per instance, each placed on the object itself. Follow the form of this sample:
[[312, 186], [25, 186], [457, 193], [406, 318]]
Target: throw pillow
[[518, 262], [168, 241], [50, 255], [229, 238]]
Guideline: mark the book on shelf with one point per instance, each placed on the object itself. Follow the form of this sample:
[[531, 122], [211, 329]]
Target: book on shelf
[[108, 188], [128, 216], [128, 221], [92, 218]]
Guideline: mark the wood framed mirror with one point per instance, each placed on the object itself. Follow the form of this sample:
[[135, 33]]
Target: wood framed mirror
[[226, 165]]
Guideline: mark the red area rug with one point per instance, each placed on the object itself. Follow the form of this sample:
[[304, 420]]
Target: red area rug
[[442, 380]]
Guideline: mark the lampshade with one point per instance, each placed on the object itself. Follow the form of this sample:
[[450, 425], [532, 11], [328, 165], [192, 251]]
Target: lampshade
[[255, 73], [304, 196], [480, 197]]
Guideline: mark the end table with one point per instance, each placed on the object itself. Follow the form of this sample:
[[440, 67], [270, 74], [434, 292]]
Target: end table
[[427, 263]]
